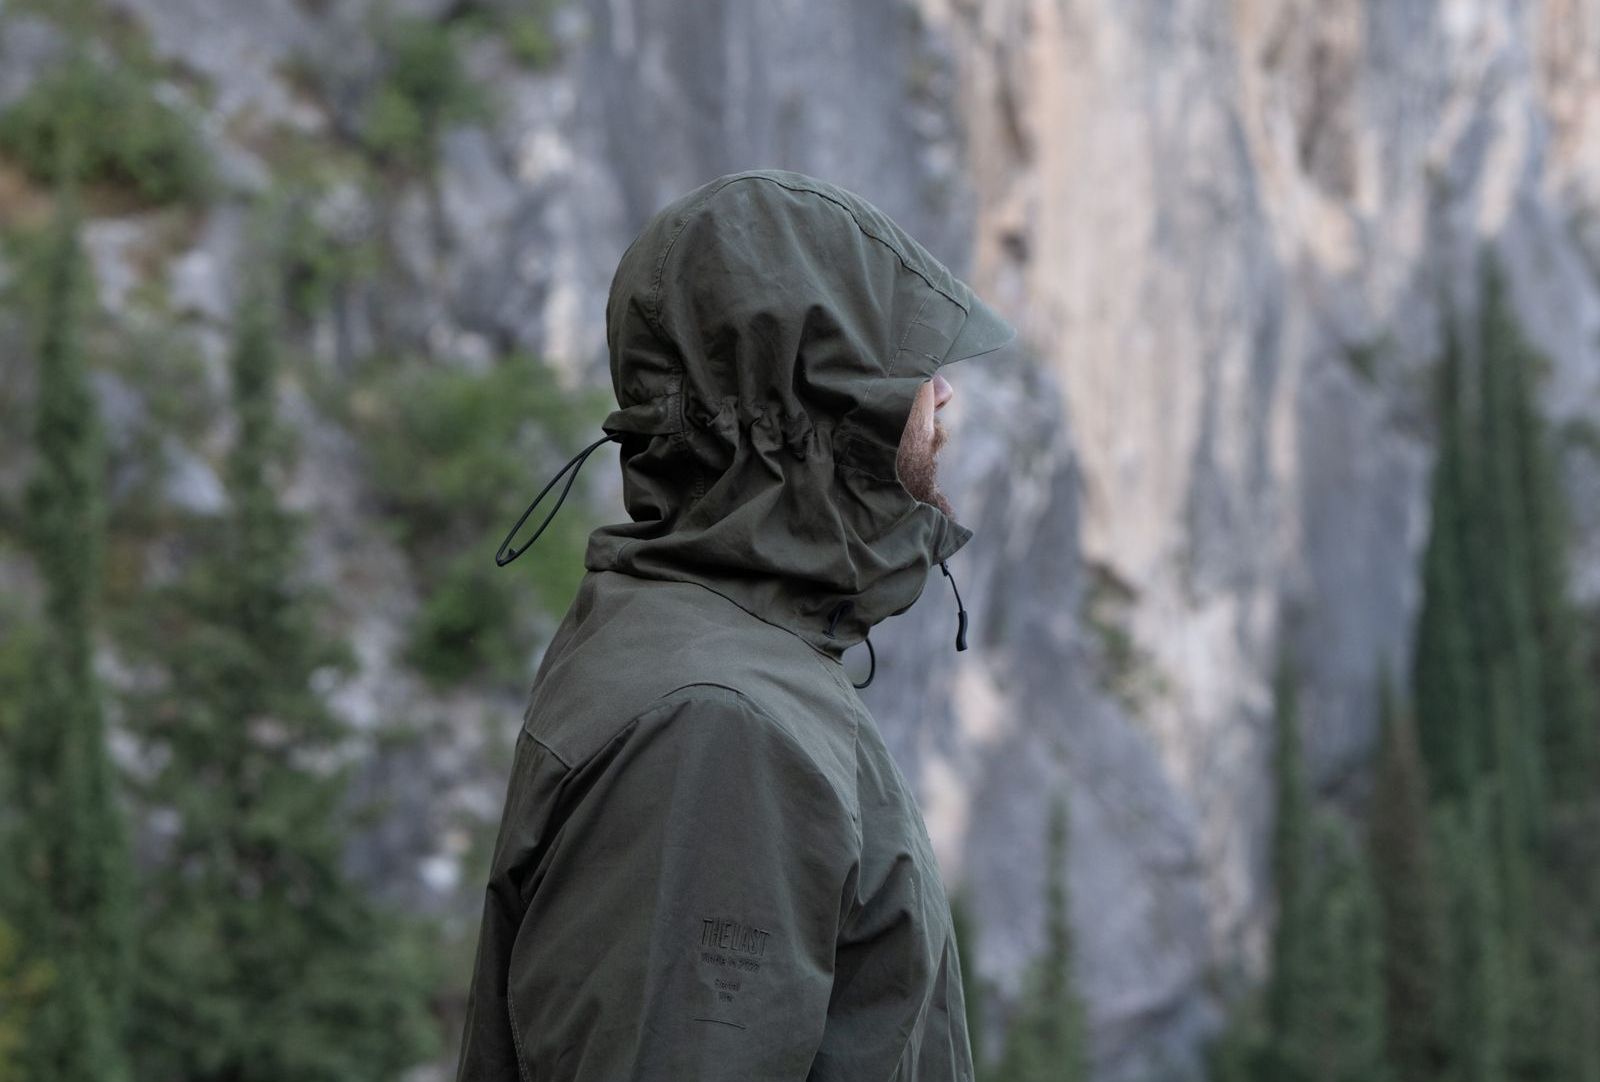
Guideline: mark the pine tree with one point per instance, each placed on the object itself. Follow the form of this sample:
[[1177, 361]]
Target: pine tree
[[261, 960], [69, 843], [1047, 1040], [1405, 873]]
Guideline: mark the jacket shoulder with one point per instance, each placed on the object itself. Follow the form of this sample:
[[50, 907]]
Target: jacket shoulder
[[630, 645], [704, 711]]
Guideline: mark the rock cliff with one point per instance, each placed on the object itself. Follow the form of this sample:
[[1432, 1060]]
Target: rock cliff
[[1226, 231]]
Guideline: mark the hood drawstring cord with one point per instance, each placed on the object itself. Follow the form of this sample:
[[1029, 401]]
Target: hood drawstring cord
[[844, 608], [575, 463], [961, 610]]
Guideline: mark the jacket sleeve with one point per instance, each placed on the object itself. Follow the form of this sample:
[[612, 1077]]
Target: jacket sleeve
[[685, 928]]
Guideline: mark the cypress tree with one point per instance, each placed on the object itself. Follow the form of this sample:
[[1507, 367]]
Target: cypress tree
[[1551, 629], [1405, 875], [1478, 1009], [1509, 650], [1289, 987], [262, 960], [69, 843], [20, 989], [1574, 1046], [1341, 1035], [1239, 1053], [1047, 1039], [1452, 726], [1325, 999], [1507, 721], [965, 930]]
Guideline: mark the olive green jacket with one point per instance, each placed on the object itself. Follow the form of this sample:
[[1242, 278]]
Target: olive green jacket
[[709, 866]]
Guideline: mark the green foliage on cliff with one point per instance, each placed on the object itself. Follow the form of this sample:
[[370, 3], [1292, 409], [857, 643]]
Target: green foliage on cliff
[[424, 87], [104, 125]]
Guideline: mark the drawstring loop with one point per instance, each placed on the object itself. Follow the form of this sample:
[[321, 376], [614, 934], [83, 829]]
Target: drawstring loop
[[575, 463], [961, 610], [872, 657]]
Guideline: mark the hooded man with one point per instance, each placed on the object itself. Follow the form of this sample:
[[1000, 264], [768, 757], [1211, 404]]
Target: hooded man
[[709, 867]]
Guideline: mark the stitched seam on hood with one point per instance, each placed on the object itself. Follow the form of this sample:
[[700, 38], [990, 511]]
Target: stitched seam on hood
[[885, 241], [661, 263]]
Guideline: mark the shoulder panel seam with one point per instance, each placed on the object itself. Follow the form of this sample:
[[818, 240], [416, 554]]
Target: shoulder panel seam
[[533, 736], [686, 693]]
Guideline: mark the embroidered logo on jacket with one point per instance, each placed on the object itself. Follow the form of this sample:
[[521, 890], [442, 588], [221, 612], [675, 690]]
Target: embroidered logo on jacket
[[730, 935]]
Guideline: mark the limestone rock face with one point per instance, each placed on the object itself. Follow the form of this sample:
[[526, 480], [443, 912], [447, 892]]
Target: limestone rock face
[[1224, 230]]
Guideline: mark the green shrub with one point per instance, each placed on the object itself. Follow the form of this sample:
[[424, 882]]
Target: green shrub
[[424, 87], [464, 622], [317, 263], [528, 37], [114, 130], [522, 27]]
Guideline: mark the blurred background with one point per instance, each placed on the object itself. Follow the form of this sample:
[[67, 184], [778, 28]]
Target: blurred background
[[1275, 755]]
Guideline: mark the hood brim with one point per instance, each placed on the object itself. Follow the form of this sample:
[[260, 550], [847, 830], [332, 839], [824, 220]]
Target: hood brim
[[982, 332]]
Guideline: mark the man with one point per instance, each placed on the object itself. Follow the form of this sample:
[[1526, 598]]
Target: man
[[709, 867]]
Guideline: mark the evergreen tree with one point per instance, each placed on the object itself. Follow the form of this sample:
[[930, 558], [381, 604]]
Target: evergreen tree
[[1478, 1009], [73, 877], [1498, 555], [1325, 1000], [1047, 1040], [965, 930], [1560, 696], [1452, 726], [21, 987], [1288, 986], [1240, 1052], [1341, 1023], [1405, 874], [262, 960], [1574, 1045], [1506, 713]]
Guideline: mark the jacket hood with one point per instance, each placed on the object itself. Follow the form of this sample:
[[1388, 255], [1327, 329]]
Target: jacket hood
[[768, 334]]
